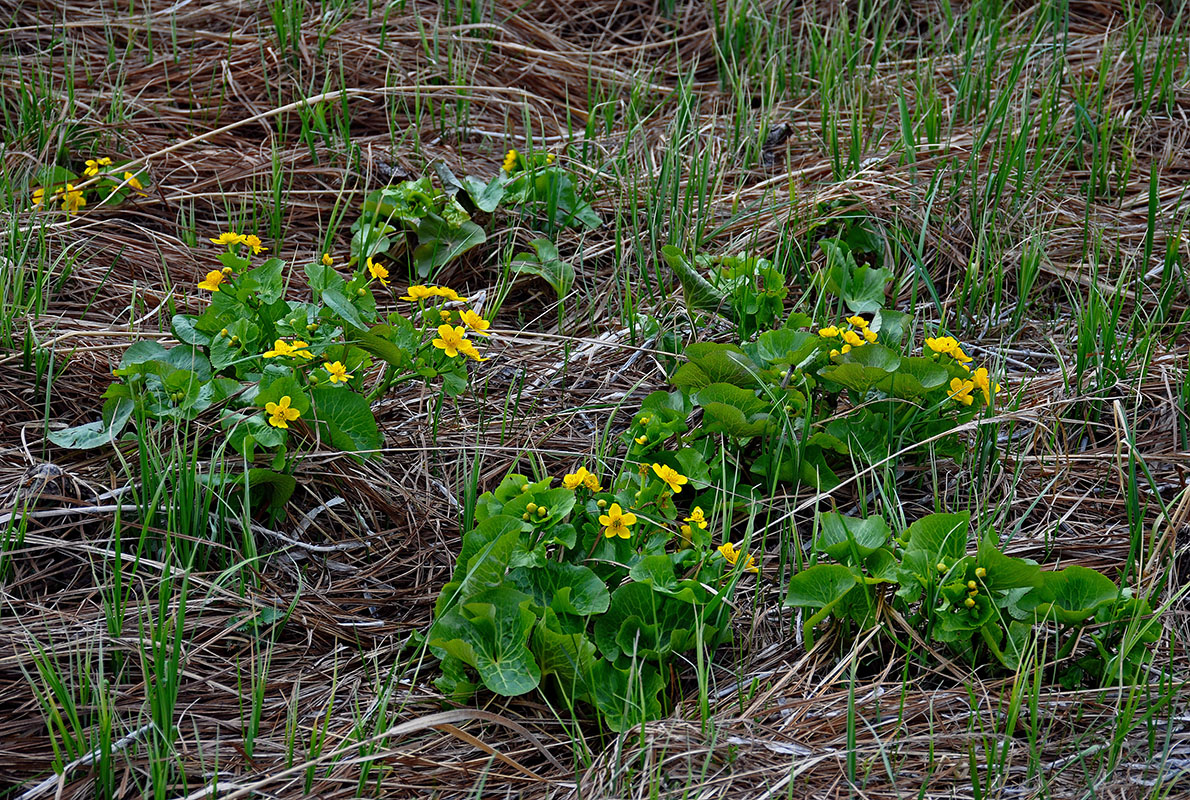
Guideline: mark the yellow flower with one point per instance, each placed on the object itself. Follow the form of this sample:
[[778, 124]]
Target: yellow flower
[[92, 168], [337, 371], [229, 239], [846, 348], [284, 348], [671, 476], [617, 523], [858, 322], [869, 334], [509, 161], [212, 281], [254, 242], [574, 480], [592, 482], [641, 439], [467, 348], [452, 339], [378, 272], [948, 345], [697, 517], [961, 390], [830, 331], [731, 555], [418, 293], [475, 322], [134, 182], [645, 420], [449, 294], [73, 200], [38, 196], [852, 338], [280, 414], [834, 353], [985, 385], [327, 260]]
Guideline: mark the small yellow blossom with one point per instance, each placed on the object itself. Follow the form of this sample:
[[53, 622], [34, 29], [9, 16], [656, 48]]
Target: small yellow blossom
[[846, 348], [92, 168], [869, 334], [645, 420], [39, 196], [834, 353], [212, 281], [475, 322], [960, 390], [229, 239], [731, 555], [858, 322], [134, 182], [284, 348], [573, 480], [852, 338], [467, 348], [510, 159], [829, 332], [378, 272], [452, 339], [73, 200], [254, 242], [697, 517], [671, 476], [418, 293], [948, 345], [642, 439], [280, 414], [984, 384], [338, 372], [448, 294], [617, 523], [591, 482], [328, 260]]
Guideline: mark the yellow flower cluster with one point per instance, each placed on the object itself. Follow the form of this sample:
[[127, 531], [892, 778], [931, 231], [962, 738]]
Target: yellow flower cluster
[[857, 335], [582, 478], [93, 164], [284, 349], [948, 345], [72, 198], [962, 390], [510, 159], [419, 293]]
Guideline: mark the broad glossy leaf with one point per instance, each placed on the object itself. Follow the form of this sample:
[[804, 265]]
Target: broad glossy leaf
[[843, 538]]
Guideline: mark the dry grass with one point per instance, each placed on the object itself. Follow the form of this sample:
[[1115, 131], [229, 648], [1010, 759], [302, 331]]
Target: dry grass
[[363, 575]]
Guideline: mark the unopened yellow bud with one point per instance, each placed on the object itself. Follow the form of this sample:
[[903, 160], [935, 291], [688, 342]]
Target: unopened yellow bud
[[601, 503], [981, 573], [542, 511], [969, 602], [971, 585], [531, 508], [941, 566]]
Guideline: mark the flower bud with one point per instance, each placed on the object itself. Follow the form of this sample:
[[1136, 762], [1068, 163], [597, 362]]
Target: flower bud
[[531, 508], [524, 488], [969, 602], [941, 566], [525, 516], [981, 573], [601, 503], [313, 326], [234, 341], [542, 511], [361, 291], [223, 332], [971, 585], [226, 270]]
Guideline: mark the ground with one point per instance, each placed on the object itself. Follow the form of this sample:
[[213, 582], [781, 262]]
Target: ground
[[1026, 162]]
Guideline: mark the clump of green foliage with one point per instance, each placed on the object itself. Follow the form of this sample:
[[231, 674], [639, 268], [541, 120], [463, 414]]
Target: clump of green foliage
[[586, 593], [967, 597], [269, 367]]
